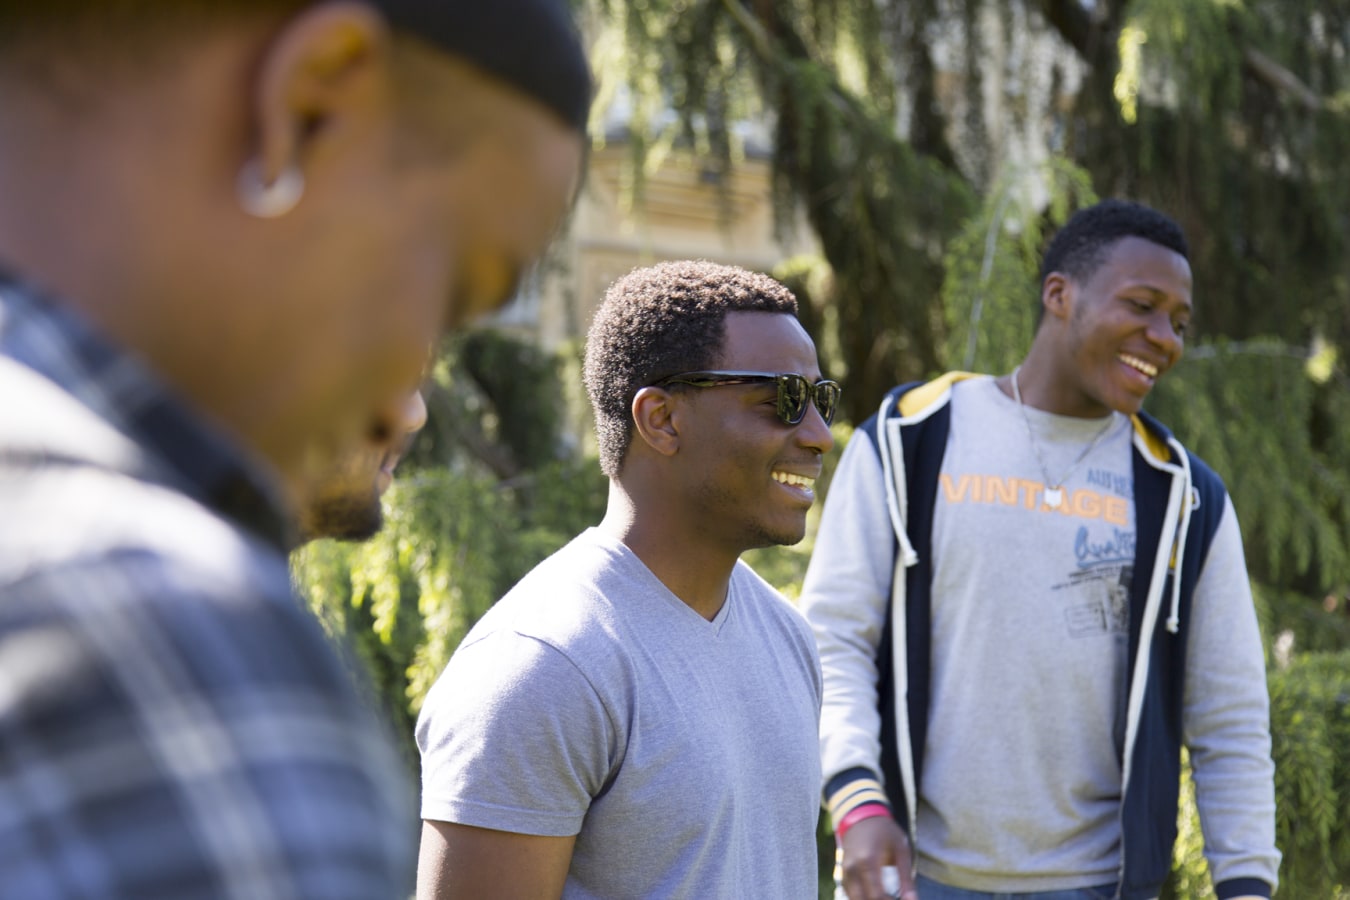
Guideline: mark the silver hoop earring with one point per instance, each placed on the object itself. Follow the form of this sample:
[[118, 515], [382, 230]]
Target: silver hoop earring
[[269, 201]]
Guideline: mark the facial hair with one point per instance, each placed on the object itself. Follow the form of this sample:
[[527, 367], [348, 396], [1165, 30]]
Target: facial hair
[[347, 517]]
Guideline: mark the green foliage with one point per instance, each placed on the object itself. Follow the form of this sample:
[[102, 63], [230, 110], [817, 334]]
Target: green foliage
[[855, 180], [453, 543], [1189, 879], [1292, 625], [1249, 411], [520, 383], [990, 295], [1189, 42], [494, 403], [1310, 722], [1310, 726], [1242, 135], [487, 493]]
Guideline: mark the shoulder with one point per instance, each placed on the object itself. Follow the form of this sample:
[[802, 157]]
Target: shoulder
[[765, 603], [178, 633], [570, 603], [760, 594], [1160, 449], [41, 420], [918, 400], [71, 521], [81, 495], [91, 551], [523, 666], [914, 403], [1158, 445], [148, 583]]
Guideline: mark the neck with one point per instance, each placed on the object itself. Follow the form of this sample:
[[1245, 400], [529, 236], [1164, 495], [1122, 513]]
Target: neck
[[697, 575], [54, 230], [1046, 382]]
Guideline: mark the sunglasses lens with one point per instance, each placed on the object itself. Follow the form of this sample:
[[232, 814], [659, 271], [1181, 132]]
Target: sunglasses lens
[[794, 392], [827, 399]]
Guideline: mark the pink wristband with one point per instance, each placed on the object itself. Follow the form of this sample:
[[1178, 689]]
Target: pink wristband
[[857, 814]]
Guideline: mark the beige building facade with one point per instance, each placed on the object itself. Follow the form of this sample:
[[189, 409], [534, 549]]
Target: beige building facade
[[682, 210]]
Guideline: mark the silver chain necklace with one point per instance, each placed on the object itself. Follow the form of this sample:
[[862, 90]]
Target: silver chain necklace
[[1054, 490]]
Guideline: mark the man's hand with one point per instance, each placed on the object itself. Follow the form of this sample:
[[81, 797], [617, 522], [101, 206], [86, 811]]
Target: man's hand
[[869, 845]]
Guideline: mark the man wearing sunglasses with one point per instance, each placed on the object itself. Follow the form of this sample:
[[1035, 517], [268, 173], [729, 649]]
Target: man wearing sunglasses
[[638, 716]]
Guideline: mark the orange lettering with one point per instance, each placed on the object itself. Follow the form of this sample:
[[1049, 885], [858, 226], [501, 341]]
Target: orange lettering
[[955, 493], [1000, 490], [1087, 504], [1115, 511]]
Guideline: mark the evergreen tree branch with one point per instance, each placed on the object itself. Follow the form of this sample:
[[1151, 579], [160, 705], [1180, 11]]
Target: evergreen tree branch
[[1282, 80], [754, 31], [1085, 29], [467, 433], [1248, 348]]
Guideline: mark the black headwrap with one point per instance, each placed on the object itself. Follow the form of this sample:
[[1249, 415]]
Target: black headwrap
[[531, 44]]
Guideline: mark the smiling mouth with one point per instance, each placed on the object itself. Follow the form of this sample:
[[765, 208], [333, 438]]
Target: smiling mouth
[[797, 481], [1138, 364]]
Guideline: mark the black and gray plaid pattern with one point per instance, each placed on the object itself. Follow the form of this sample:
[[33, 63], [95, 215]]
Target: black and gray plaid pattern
[[173, 723]]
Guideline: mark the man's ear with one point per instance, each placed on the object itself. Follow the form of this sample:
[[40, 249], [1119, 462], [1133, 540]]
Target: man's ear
[[654, 420], [321, 75], [1057, 295]]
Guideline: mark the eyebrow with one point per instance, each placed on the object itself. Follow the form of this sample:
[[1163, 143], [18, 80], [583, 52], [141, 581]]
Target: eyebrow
[[1157, 292]]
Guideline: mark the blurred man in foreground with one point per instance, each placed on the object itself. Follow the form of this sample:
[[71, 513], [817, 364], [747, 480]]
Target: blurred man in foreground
[[230, 231]]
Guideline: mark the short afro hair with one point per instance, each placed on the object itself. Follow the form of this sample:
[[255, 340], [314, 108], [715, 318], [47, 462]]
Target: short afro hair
[[1082, 244], [661, 321]]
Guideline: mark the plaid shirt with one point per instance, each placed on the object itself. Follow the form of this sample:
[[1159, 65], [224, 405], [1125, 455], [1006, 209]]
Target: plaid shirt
[[173, 723]]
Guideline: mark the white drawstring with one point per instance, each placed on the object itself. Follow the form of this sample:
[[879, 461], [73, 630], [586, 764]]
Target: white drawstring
[[898, 499], [1190, 501], [908, 555]]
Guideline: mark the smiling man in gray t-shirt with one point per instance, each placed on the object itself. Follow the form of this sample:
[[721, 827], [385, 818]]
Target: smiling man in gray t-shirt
[[637, 718]]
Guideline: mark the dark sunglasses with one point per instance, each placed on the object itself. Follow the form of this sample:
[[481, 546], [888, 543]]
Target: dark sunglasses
[[794, 391]]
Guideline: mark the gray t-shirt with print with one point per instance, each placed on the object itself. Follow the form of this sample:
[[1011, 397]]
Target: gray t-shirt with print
[[1022, 769], [682, 753]]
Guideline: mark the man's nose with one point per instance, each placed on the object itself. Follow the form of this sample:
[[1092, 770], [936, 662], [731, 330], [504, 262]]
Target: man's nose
[[415, 412]]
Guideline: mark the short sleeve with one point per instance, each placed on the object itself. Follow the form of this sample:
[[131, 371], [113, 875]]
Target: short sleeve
[[514, 737]]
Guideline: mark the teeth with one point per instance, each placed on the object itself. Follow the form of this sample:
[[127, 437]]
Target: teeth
[[800, 481], [1135, 362]]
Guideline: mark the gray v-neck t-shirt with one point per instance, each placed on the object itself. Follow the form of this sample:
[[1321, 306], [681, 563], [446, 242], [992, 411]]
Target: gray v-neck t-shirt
[[681, 752]]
